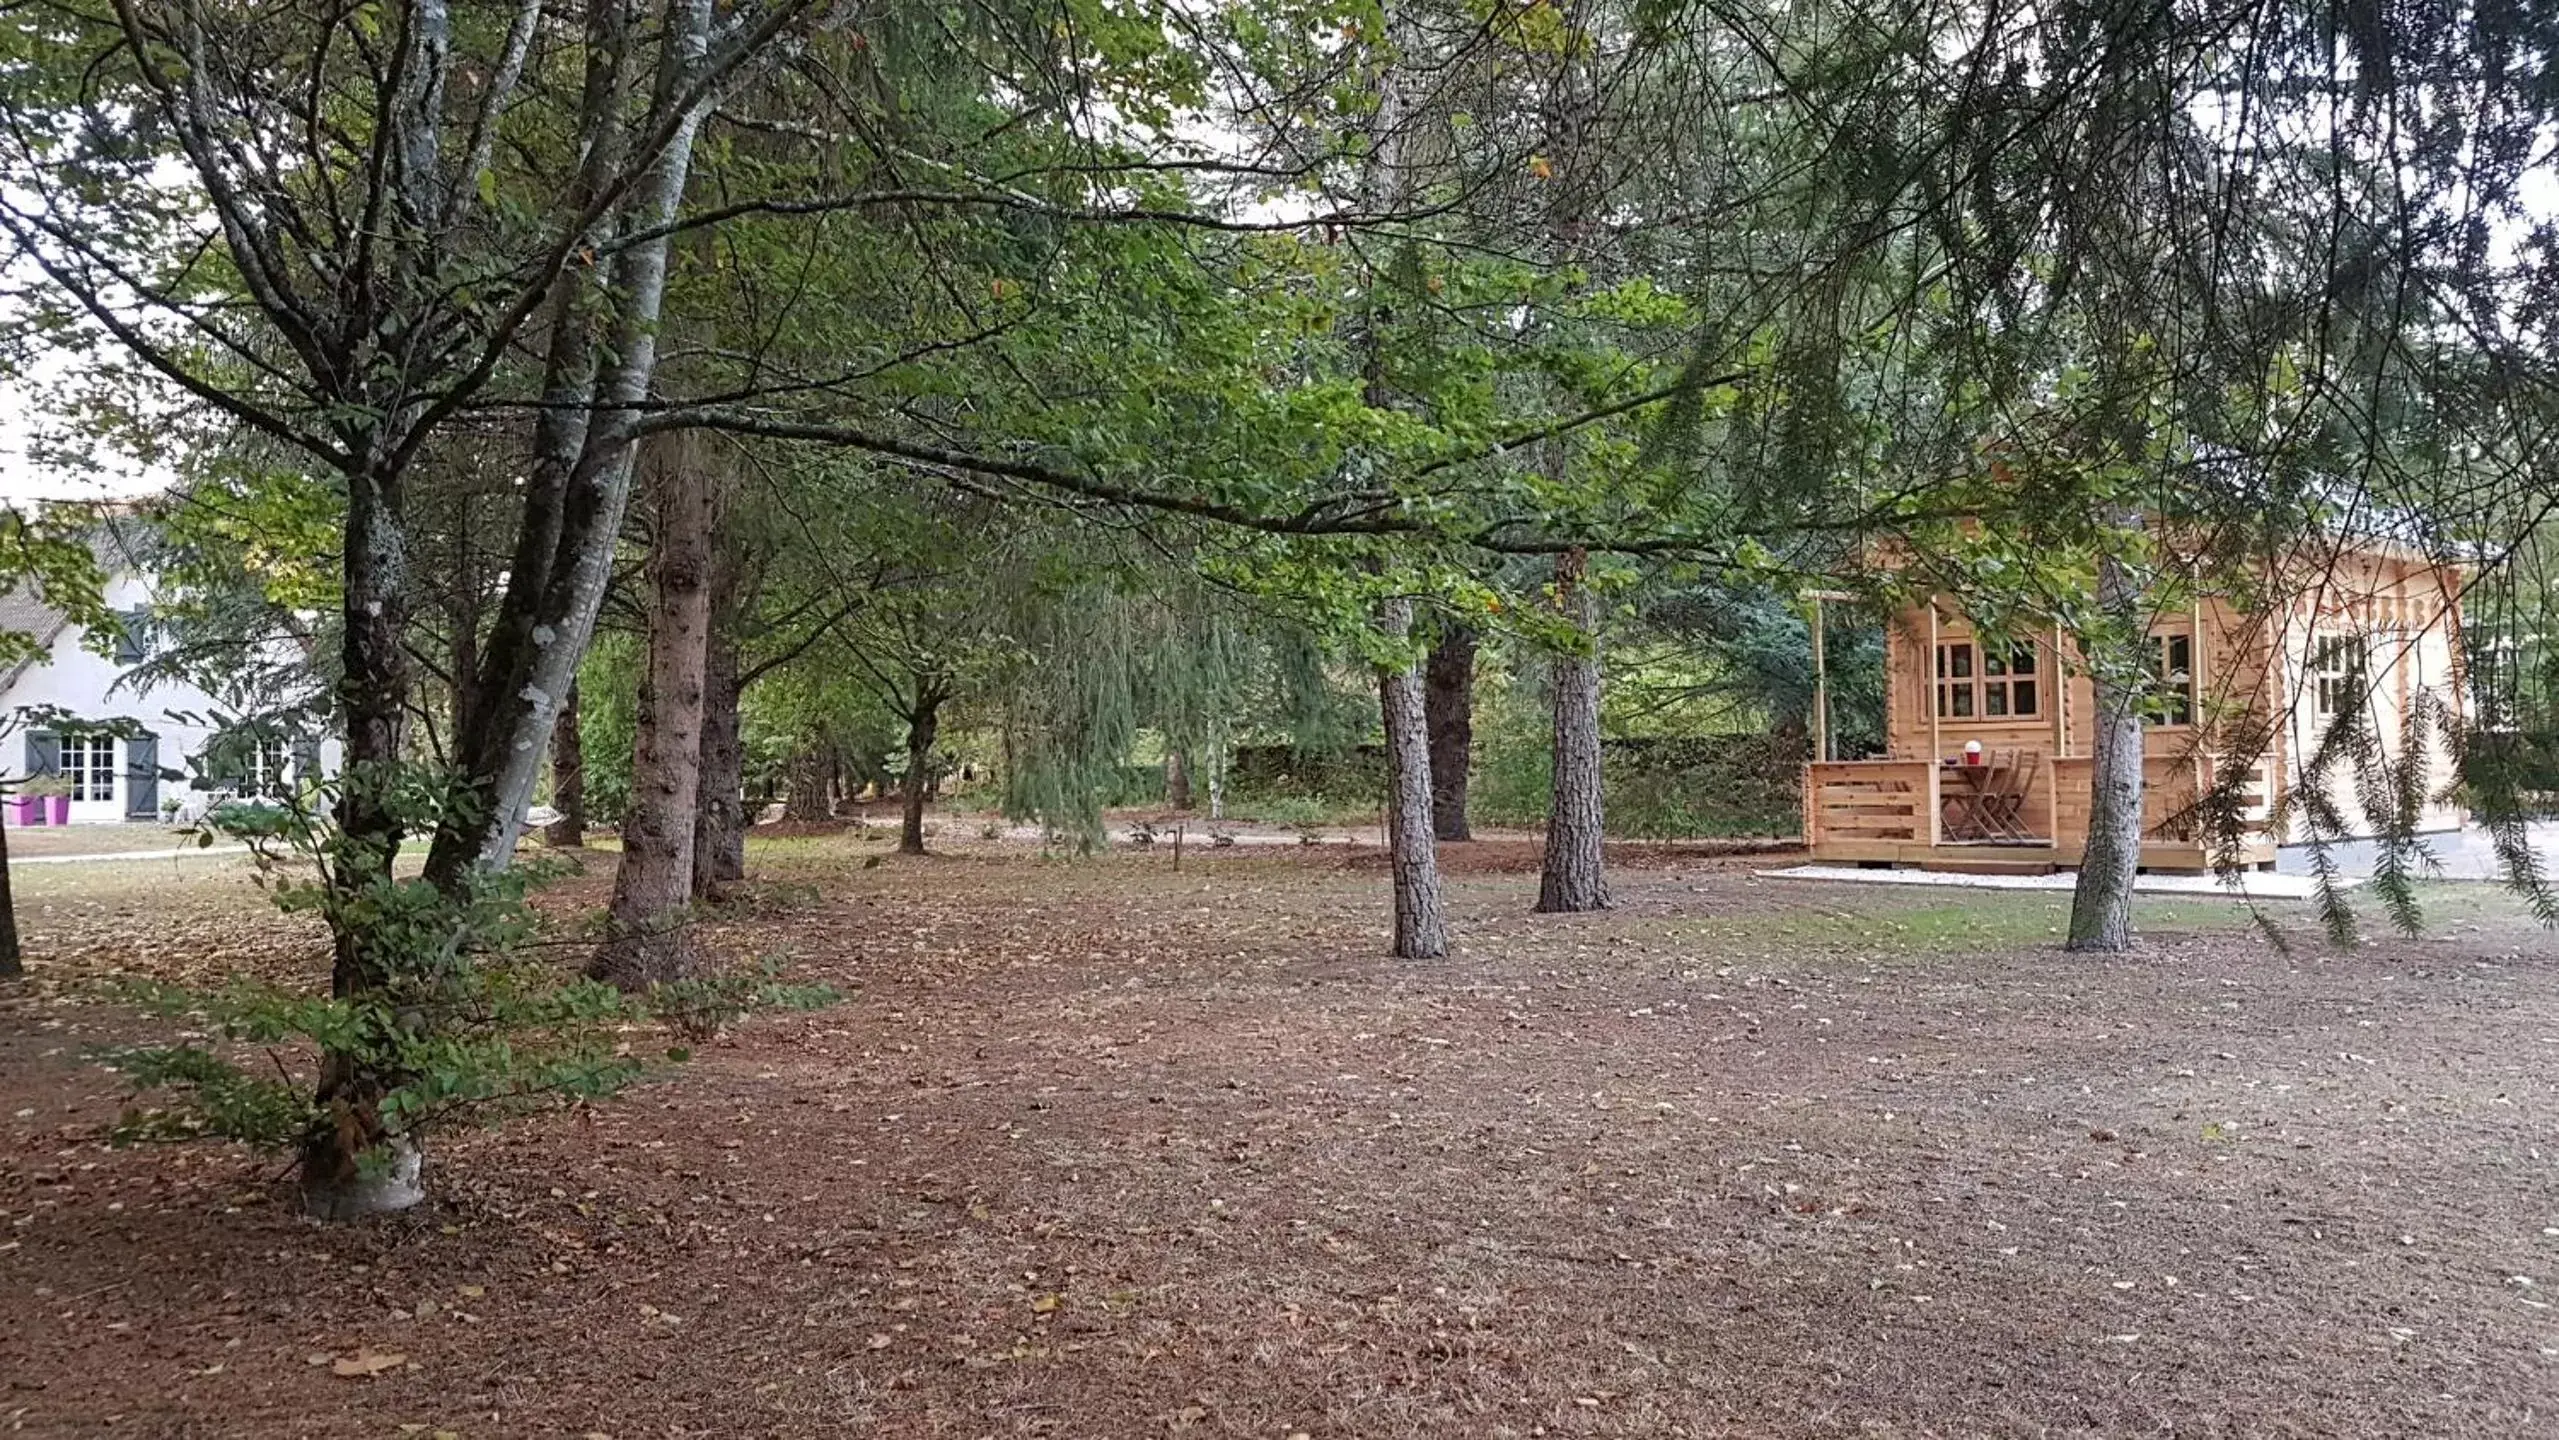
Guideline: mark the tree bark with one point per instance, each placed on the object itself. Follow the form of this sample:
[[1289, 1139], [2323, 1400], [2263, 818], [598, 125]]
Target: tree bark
[[2101, 913], [373, 696], [719, 841], [1421, 928], [1575, 876], [596, 378], [568, 777], [812, 782], [921, 724], [1177, 777], [12, 964], [1448, 709], [646, 939]]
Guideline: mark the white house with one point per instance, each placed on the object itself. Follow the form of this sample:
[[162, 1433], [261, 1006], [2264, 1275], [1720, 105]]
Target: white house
[[117, 778]]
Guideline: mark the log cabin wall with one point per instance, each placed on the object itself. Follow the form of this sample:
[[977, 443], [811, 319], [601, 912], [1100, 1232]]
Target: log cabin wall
[[2404, 613], [2265, 668]]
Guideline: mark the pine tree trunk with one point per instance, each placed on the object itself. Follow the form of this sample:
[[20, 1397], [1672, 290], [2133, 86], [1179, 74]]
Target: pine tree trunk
[[568, 778], [2101, 906], [1575, 875], [719, 841], [12, 964], [1177, 777], [1421, 929], [812, 785], [646, 939], [1448, 710], [920, 727]]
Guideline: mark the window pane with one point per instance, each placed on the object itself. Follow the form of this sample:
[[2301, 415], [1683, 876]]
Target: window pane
[[1962, 696], [2025, 694], [1991, 664], [1994, 699]]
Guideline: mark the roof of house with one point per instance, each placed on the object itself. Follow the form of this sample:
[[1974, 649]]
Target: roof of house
[[24, 610]]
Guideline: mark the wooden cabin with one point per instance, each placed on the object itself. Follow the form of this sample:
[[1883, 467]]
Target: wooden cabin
[[2374, 624]]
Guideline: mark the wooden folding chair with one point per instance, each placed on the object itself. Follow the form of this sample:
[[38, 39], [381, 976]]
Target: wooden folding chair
[[2008, 808]]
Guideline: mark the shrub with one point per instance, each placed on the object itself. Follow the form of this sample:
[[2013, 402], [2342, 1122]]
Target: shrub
[[447, 1015]]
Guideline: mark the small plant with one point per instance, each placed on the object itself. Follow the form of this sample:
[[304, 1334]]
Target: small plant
[[439, 1014], [1142, 834], [45, 787]]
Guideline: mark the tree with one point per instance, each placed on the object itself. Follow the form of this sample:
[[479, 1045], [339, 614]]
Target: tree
[[1448, 711], [568, 777], [647, 939]]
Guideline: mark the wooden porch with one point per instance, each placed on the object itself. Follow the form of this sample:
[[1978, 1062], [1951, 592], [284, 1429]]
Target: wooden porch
[[1906, 812]]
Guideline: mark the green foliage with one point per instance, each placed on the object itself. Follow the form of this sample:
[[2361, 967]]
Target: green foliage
[[609, 722]]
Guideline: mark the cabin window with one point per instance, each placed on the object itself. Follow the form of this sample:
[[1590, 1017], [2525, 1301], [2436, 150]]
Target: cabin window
[[89, 763], [2008, 683], [1955, 681], [1982, 681], [2172, 664], [2337, 665]]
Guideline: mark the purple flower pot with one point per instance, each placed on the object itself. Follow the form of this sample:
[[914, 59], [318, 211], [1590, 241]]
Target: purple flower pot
[[59, 807], [26, 810]]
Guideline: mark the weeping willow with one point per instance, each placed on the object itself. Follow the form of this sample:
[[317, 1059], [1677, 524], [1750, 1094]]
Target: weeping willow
[[1101, 659]]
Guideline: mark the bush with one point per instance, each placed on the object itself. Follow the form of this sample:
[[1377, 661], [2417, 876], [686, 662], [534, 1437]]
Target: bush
[[449, 1018]]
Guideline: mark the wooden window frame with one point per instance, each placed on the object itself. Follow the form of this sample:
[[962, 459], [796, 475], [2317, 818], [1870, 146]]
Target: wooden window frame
[[1985, 680], [2173, 704], [2330, 686]]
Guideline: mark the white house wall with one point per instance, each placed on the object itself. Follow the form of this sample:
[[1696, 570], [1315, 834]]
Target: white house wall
[[84, 683]]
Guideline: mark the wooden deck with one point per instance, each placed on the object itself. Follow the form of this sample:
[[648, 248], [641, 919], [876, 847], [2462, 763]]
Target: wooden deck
[[1893, 812]]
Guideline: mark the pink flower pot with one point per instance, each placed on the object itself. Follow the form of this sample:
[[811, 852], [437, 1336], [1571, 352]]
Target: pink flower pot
[[59, 807], [26, 810]]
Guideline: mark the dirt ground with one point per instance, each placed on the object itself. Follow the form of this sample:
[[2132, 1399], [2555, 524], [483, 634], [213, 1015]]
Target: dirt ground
[[1103, 1149]]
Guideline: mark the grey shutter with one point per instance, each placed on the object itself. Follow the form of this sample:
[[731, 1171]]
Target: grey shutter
[[44, 753], [131, 649], [142, 778]]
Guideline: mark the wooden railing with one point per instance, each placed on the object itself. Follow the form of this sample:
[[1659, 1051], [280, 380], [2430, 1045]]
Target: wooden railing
[[2169, 787], [1856, 803]]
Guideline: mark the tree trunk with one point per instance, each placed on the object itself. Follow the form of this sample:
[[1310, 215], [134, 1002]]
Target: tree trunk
[[2101, 916], [1575, 875], [812, 782], [568, 778], [597, 378], [921, 724], [1448, 709], [1421, 930], [719, 841], [646, 940], [12, 965], [373, 691], [1177, 777]]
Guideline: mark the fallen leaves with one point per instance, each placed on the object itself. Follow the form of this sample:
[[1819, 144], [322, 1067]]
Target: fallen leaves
[[366, 1364]]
